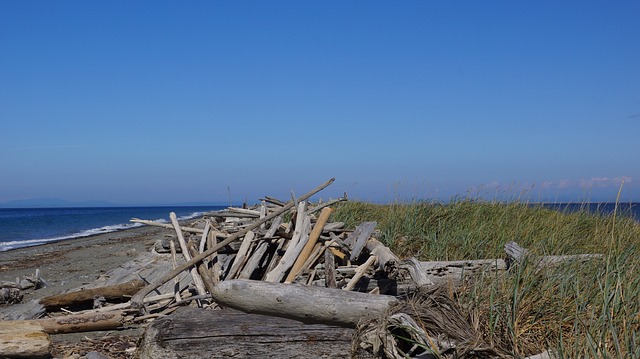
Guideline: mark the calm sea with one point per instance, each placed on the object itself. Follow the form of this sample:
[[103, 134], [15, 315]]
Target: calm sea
[[627, 209], [34, 226]]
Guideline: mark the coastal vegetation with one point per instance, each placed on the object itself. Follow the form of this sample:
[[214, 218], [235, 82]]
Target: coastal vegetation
[[588, 309]]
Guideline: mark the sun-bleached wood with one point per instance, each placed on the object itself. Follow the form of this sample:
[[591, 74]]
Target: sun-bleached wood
[[308, 304], [137, 300], [242, 255], [360, 271], [308, 247], [358, 239], [293, 247], [197, 279]]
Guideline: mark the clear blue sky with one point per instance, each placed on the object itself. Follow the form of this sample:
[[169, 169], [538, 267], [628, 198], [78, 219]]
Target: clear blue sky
[[142, 102]]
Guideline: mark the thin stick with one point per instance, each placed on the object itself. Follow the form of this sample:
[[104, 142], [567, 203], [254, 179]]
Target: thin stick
[[359, 273], [197, 279], [205, 234], [136, 300], [176, 285]]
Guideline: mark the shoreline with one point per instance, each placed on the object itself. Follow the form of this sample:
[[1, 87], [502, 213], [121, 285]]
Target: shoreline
[[72, 263]]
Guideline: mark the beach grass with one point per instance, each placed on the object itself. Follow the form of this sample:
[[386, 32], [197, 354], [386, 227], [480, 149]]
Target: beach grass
[[588, 310]]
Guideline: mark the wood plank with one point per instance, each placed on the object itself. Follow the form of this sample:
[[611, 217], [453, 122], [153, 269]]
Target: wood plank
[[192, 333], [358, 238]]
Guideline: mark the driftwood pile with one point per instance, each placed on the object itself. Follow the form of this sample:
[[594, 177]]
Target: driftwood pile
[[277, 259]]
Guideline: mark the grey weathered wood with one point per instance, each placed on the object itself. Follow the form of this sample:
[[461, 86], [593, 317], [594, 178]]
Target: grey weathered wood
[[297, 242], [454, 271], [192, 333], [387, 260], [197, 279], [242, 255], [519, 255], [86, 296], [275, 201], [249, 212], [306, 304], [254, 261], [358, 238], [138, 298], [329, 269], [22, 311], [275, 224]]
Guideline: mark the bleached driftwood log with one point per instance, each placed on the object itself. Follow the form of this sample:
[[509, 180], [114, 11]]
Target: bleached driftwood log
[[23, 339], [307, 304], [519, 255]]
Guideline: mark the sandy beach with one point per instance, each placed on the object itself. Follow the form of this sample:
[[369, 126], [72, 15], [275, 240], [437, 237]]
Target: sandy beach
[[70, 264]]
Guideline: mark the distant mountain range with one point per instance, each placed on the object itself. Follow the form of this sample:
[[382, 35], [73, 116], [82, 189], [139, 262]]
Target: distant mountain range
[[62, 203]]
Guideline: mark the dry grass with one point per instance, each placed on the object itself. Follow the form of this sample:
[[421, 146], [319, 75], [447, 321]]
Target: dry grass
[[590, 310]]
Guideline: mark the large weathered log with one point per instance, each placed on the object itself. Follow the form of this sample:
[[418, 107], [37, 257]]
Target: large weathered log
[[306, 304], [23, 339], [138, 298], [192, 334], [85, 296]]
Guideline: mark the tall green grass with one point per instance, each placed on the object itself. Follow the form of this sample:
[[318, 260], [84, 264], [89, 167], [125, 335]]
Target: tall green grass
[[577, 310]]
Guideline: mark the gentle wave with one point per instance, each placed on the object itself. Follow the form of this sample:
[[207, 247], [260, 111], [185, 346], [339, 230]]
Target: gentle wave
[[8, 245], [5, 246]]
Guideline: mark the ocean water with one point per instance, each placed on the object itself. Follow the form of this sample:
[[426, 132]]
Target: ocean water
[[34, 226], [625, 209]]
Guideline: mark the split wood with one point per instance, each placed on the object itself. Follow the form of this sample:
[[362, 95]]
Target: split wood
[[137, 299]]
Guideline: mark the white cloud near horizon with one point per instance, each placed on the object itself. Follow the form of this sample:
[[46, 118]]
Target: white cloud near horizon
[[587, 183]]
